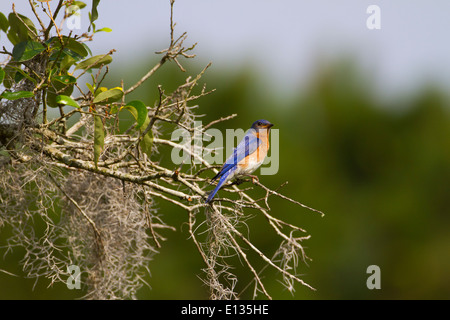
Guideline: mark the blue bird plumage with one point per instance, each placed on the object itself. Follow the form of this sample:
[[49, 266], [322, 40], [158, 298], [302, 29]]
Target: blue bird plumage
[[246, 157]]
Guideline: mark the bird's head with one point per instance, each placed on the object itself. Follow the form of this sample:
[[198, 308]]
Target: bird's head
[[261, 124]]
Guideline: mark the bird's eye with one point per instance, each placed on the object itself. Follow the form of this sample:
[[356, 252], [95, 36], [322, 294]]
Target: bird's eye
[[259, 123]]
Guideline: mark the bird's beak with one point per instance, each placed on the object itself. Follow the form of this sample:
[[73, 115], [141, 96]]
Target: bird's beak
[[269, 126]]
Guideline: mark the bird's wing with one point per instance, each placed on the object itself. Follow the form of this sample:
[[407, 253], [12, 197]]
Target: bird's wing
[[248, 145]]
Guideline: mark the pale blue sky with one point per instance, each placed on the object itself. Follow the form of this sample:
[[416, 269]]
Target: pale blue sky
[[286, 38]]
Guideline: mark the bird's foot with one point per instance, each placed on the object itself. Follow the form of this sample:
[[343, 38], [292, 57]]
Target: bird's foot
[[254, 178], [237, 182]]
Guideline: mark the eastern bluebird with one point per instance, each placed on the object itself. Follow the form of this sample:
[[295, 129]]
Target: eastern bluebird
[[246, 157]]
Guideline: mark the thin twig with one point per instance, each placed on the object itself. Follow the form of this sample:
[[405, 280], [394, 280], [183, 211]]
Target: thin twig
[[53, 18], [36, 15]]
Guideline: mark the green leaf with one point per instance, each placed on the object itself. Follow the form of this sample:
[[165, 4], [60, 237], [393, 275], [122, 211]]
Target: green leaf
[[20, 74], [104, 30], [4, 24], [94, 63], [87, 48], [24, 30], [147, 140], [16, 95], [10, 71], [138, 110], [67, 101], [99, 138], [97, 91], [64, 56], [109, 96], [66, 79], [66, 62], [26, 50], [70, 46], [75, 46], [13, 37], [60, 85], [94, 13], [2, 75], [90, 87], [79, 4]]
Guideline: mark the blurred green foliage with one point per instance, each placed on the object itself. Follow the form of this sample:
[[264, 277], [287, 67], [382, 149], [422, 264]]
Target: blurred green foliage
[[379, 171]]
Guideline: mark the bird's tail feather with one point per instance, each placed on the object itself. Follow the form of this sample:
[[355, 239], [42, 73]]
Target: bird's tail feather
[[222, 180]]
